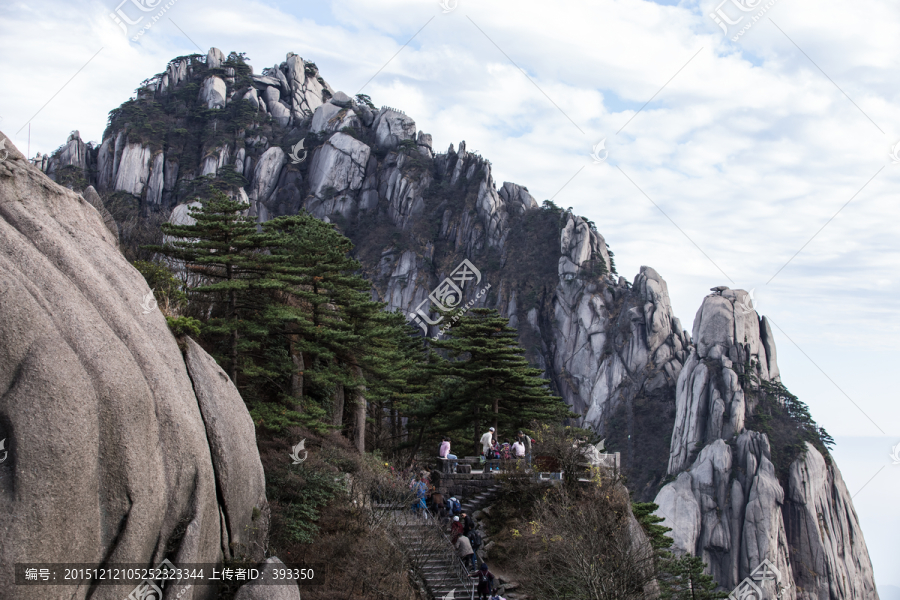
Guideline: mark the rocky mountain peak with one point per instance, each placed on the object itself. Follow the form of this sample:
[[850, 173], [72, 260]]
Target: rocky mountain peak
[[680, 408]]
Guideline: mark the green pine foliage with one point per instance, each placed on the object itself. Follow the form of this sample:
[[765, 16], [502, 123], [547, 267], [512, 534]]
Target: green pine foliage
[[489, 382], [679, 577], [219, 248], [788, 424], [683, 578], [643, 512]]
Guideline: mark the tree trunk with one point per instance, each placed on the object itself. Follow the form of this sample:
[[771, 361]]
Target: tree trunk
[[378, 434], [359, 399], [496, 417], [395, 427], [299, 367], [337, 416], [477, 427], [232, 309]]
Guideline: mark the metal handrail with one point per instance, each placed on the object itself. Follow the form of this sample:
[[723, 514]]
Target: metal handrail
[[462, 571]]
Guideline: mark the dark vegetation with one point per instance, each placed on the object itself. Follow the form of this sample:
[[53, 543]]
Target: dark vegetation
[[786, 421], [584, 539], [648, 419]]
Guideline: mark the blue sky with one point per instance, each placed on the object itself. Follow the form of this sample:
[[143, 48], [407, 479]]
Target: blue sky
[[767, 151]]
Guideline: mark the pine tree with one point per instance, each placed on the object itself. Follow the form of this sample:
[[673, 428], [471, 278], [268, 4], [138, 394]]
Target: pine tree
[[643, 512], [342, 343], [490, 380], [683, 578], [220, 249]]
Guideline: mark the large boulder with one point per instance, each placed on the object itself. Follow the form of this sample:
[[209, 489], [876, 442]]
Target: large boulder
[[256, 590], [213, 92], [100, 411], [391, 127]]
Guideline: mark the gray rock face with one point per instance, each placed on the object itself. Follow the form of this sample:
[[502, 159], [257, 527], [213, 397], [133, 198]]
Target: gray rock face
[[74, 153], [341, 99], [157, 180], [215, 58], [213, 92], [823, 528], [306, 91], [391, 127], [266, 174], [99, 408], [729, 506], [133, 169], [514, 194], [280, 113], [232, 444], [336, 172], [93, 198], [255, 591], [331, 117], [710, 402]]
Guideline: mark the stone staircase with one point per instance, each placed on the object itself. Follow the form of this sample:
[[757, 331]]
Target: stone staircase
[[435, 557]]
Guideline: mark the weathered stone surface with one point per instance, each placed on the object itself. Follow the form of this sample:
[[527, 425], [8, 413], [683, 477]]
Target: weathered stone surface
[[331, 117], [74, 153], [100, 412], [256, 591], [133, 169], [252, 97], [232, 444], [157, 180], [93, 198], [306, 90], [391, 127], [341, 99], [215, 58], [266, 174], [339, 166], [824, 533], [213, 92], [279, 112]]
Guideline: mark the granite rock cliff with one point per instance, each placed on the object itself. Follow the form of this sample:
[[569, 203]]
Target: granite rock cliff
[[675, 404], [122, 446]]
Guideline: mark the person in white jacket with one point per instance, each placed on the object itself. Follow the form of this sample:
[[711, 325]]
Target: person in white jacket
[[486, 441]]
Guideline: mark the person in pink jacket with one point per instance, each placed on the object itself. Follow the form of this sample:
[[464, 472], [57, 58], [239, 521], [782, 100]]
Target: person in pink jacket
[[444, 452]]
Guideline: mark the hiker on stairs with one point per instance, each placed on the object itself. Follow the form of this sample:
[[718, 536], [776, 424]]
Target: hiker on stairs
[[464, 549], [455, 530], [485, 582]]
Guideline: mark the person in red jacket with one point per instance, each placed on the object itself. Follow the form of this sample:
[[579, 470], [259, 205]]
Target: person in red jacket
[[456, 529]]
